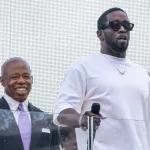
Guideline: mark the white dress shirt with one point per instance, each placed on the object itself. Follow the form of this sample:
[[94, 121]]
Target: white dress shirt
[[13, 105]]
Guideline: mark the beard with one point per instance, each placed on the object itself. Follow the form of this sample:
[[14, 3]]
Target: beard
[[120, 48], [116, 46]]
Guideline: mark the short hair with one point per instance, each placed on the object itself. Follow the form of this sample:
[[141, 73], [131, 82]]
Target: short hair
[[10, 60], [102, 19]]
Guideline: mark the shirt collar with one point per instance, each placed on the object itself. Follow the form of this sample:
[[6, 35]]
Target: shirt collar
[[13, 104], [114, 59]]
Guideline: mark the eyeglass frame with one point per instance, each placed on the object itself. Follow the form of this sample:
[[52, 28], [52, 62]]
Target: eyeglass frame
[[103, 27]]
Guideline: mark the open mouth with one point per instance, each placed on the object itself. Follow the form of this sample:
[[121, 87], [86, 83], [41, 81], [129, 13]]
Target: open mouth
[[21, 91], [123, 38]]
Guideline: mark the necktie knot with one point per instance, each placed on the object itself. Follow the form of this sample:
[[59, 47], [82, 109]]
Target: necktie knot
[[20, 107]]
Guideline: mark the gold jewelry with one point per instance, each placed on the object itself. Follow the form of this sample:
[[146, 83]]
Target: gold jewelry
[[121, 70], [80, 120]]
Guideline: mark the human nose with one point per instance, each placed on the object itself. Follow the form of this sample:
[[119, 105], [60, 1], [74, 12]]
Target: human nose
[[21, 80], [122, 29]]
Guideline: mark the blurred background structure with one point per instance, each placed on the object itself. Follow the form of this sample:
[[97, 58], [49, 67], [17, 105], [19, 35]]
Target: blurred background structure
[[50, 34]]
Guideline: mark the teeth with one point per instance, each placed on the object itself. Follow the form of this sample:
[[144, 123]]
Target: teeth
[[124, 38], [21, 89]]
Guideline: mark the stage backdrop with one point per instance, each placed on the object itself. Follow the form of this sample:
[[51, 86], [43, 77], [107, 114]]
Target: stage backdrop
[[50, 34]]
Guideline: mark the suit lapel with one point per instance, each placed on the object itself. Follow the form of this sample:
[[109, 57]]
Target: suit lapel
[[14, 131], [12, 126]]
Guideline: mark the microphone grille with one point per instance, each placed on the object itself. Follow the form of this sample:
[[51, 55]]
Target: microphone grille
[[95, 108]]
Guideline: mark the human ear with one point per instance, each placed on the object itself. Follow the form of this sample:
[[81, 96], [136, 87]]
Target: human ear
[[100, 35], [2, 81]]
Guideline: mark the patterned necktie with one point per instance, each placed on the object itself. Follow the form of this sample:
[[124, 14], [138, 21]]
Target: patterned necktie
[[24, 127]]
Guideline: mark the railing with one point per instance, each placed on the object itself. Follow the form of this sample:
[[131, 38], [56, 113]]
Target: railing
[[112, 134]]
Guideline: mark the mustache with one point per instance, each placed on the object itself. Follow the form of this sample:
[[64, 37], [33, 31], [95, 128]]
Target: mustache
[[122, 36]]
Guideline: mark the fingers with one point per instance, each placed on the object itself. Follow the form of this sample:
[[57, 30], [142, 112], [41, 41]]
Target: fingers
[[84, 123], [96, 123], [84, 128], [90, 114], [96, 120]]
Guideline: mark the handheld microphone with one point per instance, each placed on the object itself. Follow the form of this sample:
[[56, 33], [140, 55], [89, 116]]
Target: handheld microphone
[[95, 109]]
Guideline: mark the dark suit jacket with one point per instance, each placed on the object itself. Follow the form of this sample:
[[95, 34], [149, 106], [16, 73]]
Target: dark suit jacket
[[10, 138]]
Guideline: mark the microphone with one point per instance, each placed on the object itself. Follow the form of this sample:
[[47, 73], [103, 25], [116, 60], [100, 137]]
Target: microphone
[[95, 109]]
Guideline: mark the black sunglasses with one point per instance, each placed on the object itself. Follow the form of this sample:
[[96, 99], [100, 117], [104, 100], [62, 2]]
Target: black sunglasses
[[116, 25]]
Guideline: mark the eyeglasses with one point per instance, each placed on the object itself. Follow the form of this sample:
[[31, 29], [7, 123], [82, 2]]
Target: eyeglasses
[[116, 25]]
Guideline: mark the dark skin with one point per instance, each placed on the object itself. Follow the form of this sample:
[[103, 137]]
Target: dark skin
[[16, 79], [110, 39], [70, 118], [68, 140]]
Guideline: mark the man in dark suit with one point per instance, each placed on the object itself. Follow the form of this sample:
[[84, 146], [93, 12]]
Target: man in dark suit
[[22, 125]]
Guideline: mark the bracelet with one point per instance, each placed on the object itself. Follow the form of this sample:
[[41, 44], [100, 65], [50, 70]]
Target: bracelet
[[80, 120]]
